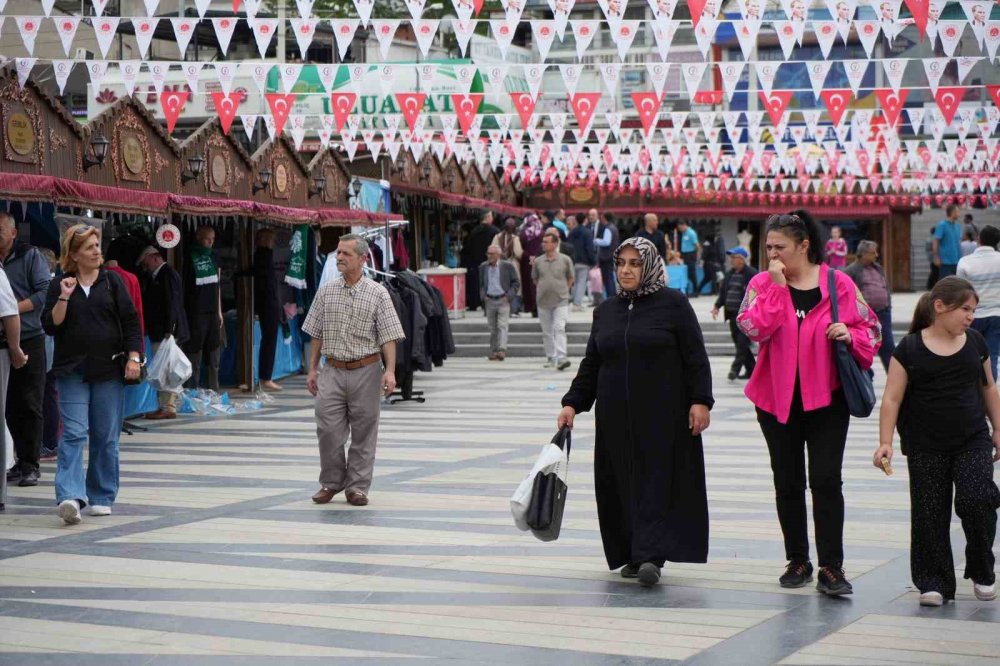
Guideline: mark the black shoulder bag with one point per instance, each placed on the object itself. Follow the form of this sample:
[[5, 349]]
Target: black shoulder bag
[[859, 392], [122, 356], [548, 497]]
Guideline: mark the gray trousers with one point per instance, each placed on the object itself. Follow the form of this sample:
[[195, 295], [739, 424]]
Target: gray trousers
[[347, 406], [4, 376], [498, 318], [582, 272]]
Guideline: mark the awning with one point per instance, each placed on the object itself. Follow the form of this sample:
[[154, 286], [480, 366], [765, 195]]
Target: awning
[[462, 200], [746, 211]]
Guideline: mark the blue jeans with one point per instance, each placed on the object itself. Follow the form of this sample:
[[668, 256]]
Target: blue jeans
[[94, 412], [888, 342], [947, 270], [990, 328]]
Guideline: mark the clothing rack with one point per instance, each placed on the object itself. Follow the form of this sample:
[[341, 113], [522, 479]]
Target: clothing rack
[[405, 390]]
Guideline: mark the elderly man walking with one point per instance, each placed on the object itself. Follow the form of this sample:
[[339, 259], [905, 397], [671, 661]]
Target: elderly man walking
[[355, 328], [869, 275], [982, 269], [498, 285], [553, 275]]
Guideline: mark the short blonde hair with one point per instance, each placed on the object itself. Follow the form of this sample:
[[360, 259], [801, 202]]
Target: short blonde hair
[[73, 239]]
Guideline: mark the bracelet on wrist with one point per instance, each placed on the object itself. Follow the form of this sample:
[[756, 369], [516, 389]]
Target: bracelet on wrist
[[64, 299]]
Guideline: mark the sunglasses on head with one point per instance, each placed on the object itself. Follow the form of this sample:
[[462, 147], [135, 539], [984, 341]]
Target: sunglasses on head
[[785, 221]]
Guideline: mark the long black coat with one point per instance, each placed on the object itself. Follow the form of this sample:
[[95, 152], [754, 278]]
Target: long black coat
[[645, 366], [163, 306]]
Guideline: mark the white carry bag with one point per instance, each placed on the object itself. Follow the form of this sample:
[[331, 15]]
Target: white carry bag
[[8, 448], [170, 367], [552, 460]]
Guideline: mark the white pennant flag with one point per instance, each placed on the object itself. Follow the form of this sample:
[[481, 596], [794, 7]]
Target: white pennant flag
[[818, 69], [46, 7], [916, 118], [364, 8], [158, 74], [224, 28], [289, 73], [826, 33], [263, 32], [385, 31], [416, 8], [533, 74], [357, 73], [894, 70], [343, 30], [950, 33], [201, 6], [965, 65], [386, 78], [934, 69], [66, 27], [104, 31], [129, 70], [496, 75], [463, 33], [503, 33], [184, 30], [746, 33], [571, 76], [226, 72], [811, 117], [424, 30], [144, 29], [350, 147], [426, 73], [657, 72], [28, 27], [305, 7], [705, 34], [251, 7], [731, 72], [99, 6], [324, 137], [543, 33], [663, 32], [855, 70], [463, 9], [868, 34], [992, 39], [259, 72], [583, 34], [151, 6], [327, 75], [786, 37], [693, 73], [465, 75], [610, 73], [305, 30], [62, 69], [270, 126], [766, 72], [192, 73], [623, 35], [96, 69]]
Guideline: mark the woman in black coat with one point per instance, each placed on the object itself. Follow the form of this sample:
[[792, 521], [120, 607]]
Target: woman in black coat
[[647, 369]]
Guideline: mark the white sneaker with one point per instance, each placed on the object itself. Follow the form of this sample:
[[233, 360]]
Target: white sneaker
[[69, 511], [931, 599], [549, 364], [985, 592], [99, 510]]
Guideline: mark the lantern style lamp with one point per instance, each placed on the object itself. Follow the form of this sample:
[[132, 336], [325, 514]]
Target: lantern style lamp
[[265, 180], [99, 146], [319, 184], [196, 166]]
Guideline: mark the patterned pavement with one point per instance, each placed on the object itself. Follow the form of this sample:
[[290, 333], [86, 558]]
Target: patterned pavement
[[215, 554]]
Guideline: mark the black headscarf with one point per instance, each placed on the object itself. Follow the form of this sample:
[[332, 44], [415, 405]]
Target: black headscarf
[[652, 279]]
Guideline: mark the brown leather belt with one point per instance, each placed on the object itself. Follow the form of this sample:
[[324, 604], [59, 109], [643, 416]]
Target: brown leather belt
[[354, 365]]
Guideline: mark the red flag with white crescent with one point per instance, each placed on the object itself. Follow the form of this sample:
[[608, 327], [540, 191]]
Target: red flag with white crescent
[[697, 8], [281, 106], [776, 103], [648, 106], [343, 104], [584, 105], [410, 105], [236, 6], [173, 103], [525, 105], [466, 107], [891, 103], [478, 6], [994, 92], [919, 9], [226, 106], [836, 102], [948, 99]]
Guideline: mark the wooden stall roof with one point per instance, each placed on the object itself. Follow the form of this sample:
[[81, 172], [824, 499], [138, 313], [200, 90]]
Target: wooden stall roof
[[227, 172], [289, 185], [328, 164]]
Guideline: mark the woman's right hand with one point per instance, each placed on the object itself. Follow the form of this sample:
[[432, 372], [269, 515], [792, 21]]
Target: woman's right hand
[[67, 285], [566, 416], [884, 451], [776, 269]]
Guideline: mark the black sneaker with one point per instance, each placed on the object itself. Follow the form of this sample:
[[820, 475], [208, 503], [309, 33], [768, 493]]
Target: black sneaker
[[796, 574], [29, 478], [732, 376], [14, 474], [649, 574], [832, 582]]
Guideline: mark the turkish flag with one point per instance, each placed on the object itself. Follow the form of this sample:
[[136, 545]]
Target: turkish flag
[[994, 92], [525, 105], [466, 107], [236, 5], [836, 102], [648, 106], [948, 100], [173, 103], [226, 106], [919, 10], [584, 105], [342, 104], [410, 104], [776, 103], [712, 97], [281, 106], [478, 6], [891, 103]]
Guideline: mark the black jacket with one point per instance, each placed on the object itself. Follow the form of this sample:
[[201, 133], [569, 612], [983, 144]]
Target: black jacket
[[733, 290], [96, 328], [265, 285], [163, 307]]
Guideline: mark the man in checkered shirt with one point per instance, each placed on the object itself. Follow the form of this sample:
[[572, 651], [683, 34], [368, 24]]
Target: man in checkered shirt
[[355, 327]]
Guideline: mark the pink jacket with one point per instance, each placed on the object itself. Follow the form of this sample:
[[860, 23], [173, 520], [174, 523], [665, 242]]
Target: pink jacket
[[768, 317]]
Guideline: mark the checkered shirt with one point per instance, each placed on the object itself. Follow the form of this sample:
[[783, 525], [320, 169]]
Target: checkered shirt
[[353, 322]]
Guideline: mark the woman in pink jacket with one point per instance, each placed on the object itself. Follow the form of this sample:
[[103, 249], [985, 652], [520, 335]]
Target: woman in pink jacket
[[796, 389]]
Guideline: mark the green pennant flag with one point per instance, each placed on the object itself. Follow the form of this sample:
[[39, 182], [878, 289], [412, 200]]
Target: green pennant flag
[[296, 274]]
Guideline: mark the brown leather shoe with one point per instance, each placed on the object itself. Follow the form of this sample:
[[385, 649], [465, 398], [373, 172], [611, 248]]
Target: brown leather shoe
[[356, 498], [324, 495], [161, 415]]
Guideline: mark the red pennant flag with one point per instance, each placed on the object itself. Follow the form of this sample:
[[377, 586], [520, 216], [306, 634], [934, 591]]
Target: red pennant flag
[[236, 5], [410, 104], [836, 102], [919, 9], [584, 105], [710, 97], [994, 92], [891, 103], [173, 103], [525, 105], [466, 107], [697, 8], [648, 106], [948, 100], [478, 6], [342, 104], [281, 106], [776, 103], [226, 106]]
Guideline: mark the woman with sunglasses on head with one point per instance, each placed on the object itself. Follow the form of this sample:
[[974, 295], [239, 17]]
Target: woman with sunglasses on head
[[797, 392]]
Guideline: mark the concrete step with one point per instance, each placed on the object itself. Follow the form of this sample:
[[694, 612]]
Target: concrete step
[[575, 351]]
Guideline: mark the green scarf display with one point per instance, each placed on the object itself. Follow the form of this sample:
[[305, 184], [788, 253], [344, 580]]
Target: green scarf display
[[205, 271], [296, 274]]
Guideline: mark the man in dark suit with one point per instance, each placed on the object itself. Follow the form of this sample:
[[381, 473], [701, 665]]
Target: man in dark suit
[[163, 307], [498, 284]]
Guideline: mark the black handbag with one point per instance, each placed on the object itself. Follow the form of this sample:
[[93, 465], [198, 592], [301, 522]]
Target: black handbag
[[548, 497], [859, 392]]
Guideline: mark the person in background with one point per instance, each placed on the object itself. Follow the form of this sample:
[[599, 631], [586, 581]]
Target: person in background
[[836, 249], [94, 323], [267, 305], [869, 276], [581, 239], [947, 246], [606, 239], [480, 238], [968, 244], [559, 222], [939, 394], [511, 251], [203, 301], [796, 390], [689, 249], [10, 332], [112, 262], [982, 269], [712, 258], [651, 232], [499, 284], [163, 309], [970, 227], [28, 275], [51, 422], [553, 275], [731, 295], [531, 242]]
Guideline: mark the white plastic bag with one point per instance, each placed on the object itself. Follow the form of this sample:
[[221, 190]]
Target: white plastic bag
[[170, 367], [552, 460], [8, 447]]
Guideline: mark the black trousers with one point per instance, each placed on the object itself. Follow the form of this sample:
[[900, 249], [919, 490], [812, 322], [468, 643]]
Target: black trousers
[[824, 432], [608, 277], [204, 343], [744, 353], [25, 393], [932, 477], [708, 277], [269, 325], [691, 261]]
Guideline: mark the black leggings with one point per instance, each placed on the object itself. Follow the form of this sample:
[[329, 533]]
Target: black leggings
[[824, 432]]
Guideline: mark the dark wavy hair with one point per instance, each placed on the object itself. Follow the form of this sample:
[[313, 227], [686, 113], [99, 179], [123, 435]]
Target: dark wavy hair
[[952, 291], [799, 226]]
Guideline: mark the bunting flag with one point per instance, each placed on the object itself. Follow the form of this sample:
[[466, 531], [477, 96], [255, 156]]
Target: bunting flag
[[28, 27], [424, 31], [466, 107], [281, 107], [304, 30], [263, 31], [948, 99], [104, 32], [342, 105], [892, 102], [385, 31], [647, 104], [836, 102], [524, 104], [224, 28], [143, 28], [344, 31], [584, 105], [66, 27], [184, 30], [919, 9], [226, 106], [410, 105], [172, 103], [61, 69], [775, 103]]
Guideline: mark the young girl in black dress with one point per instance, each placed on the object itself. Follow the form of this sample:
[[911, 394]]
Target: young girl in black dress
[[939, 393]]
